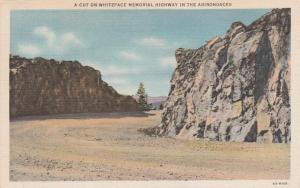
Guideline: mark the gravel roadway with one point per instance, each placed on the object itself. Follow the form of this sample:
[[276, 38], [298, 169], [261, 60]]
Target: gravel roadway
[[109, 147]]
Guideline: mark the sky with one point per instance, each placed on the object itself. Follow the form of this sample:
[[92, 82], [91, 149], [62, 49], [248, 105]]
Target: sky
[[127, 46]]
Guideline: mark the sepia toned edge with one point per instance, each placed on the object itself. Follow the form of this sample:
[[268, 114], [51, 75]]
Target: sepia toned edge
[[7, 6]]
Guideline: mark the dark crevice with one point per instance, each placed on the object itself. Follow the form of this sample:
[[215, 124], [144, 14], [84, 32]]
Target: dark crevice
[[264, 62]]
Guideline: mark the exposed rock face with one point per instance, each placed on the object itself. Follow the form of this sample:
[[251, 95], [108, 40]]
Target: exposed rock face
[[235, 87], [39, 86]]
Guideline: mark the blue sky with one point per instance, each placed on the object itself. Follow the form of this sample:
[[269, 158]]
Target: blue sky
[[127, 46]]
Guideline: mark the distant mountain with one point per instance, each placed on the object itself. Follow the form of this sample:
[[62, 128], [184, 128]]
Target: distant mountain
[[159, 99], [155, 101]]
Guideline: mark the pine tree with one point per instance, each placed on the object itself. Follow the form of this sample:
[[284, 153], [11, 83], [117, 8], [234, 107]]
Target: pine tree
[[161, 106], [142, 97]]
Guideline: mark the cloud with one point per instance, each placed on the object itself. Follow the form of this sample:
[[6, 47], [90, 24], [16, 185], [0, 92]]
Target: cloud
[[152, 42], [168, 62], [51, 41], [70, 38], [131, 56], [45, 33], [28, 50], [159, 43]]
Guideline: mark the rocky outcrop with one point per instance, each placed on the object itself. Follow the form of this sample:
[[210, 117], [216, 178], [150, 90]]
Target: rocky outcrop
[[235, 87], [39, 86]]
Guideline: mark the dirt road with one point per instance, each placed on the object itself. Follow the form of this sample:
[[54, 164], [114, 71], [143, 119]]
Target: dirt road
[[109, 147]]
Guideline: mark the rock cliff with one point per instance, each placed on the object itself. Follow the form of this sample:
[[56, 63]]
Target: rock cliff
[[235, 87], [39, 86]]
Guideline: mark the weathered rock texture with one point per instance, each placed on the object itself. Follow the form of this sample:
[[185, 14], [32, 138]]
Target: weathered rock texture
[[39, 86], [235, 87]]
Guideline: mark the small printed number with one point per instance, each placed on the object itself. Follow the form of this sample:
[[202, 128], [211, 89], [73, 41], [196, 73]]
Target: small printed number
[[280, 183]]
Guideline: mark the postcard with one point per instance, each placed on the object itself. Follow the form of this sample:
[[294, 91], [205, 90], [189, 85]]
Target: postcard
[[149, 94]]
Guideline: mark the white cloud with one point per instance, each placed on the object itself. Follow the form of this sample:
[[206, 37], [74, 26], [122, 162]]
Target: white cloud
[[46, 33], [70, 38], [131, 56], [167, 62], [152, 41], [28, 50], [56, 43]]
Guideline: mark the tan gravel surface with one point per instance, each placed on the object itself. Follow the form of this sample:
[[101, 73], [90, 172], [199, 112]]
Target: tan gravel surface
[[109, 147]]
